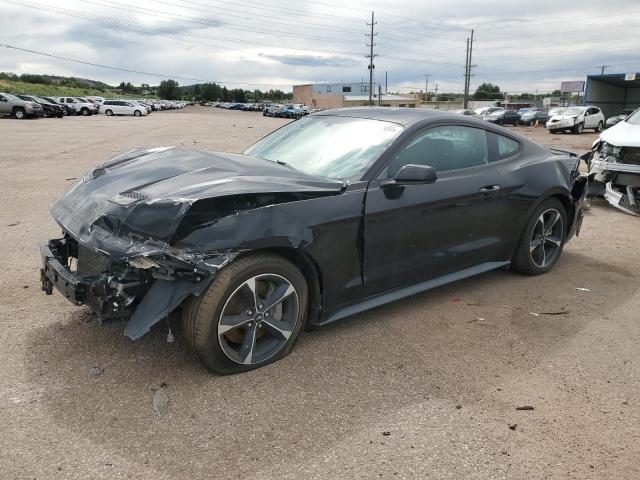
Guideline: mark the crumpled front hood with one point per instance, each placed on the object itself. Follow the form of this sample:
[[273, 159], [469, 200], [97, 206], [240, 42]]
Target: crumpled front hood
[[133, 203], [622, 134]]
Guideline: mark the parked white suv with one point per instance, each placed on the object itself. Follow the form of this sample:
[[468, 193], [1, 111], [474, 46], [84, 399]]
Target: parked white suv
[[577, 119], [82, 106], [123, 107]]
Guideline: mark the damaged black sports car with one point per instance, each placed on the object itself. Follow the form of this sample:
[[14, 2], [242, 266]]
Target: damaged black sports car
[[330, 215]]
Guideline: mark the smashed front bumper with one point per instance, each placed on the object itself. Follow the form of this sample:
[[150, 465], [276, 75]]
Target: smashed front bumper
[[617, 182], [144, 294]]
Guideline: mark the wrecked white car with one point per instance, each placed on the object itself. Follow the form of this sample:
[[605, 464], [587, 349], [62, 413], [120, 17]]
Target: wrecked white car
[[614, 165]]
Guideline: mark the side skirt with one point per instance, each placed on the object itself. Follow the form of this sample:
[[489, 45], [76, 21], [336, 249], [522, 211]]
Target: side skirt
[[400, 293]]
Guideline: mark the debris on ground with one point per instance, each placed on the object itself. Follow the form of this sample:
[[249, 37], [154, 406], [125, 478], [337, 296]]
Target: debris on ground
[[525, 407], [386, 433], [580, 289], [458, 406], [512, 426], [560, 312], [96, 371], [161, 401]]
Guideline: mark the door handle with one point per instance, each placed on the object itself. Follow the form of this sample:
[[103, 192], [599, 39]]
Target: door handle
[[490, 188]]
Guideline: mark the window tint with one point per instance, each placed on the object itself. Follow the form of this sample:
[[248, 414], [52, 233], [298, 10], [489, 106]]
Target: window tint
[[443, 148], [506, 147], [346, 89], [108, 102]]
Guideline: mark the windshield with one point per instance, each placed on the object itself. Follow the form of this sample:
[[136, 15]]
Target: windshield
[[11, 97], [497, 113], [556, 111], [333, 147], [634, 118], [573, 111]]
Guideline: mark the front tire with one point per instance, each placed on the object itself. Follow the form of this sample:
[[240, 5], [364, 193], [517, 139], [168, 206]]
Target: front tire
[[543, 239], [108, 113], [250, 316], [579, 128], [600, 127], [85, 112], [137, 113], [19, 113]]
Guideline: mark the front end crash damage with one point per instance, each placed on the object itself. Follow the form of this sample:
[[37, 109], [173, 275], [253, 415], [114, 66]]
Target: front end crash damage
[[614, 173], [128, 249], [144, 289]]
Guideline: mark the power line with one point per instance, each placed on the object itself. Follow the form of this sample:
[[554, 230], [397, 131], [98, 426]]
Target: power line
[[161, 75]]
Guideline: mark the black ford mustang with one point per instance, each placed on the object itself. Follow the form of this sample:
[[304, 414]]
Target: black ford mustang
[[328, 216]]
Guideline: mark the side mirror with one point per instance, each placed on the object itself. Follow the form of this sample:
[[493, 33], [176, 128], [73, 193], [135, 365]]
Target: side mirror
[[413, 175]]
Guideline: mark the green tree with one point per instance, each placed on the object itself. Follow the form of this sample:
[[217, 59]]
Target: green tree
[[488, 91], [168, 90]]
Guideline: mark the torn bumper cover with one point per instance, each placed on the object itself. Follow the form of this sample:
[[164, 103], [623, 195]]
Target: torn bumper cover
[[614, 173], [143, 289]]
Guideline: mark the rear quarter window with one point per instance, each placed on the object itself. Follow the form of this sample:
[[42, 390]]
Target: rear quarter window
[[503, 147]]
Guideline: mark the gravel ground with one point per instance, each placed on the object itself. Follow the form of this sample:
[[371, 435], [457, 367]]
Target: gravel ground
[[426, 387]]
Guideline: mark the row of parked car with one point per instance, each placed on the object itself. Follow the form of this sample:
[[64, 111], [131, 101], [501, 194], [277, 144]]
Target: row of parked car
[[289, 110], [558, 119], [29, 105]]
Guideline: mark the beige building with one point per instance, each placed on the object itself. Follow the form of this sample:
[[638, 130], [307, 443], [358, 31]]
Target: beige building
[[336, 95]]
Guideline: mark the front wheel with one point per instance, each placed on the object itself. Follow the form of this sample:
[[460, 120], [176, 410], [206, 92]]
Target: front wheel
[[137, 113], [579, 128], [19, 113], [542, 241], [108, 113], [600, 127], [85, 112], [249, 316]]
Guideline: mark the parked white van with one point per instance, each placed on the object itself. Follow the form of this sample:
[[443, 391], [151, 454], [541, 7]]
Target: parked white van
[[122, 107]]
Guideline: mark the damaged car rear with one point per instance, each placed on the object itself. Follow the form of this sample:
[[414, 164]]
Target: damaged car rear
[[331, 215], [614, 165]]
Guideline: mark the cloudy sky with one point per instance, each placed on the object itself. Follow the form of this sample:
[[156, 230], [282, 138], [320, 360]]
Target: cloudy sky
[[520, 45]]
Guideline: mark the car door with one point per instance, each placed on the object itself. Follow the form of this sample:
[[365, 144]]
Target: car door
[[5, 107], [418, 232], [590, 120]]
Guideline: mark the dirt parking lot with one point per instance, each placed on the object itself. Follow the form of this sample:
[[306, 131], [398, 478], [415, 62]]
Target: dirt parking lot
[[426, 387]]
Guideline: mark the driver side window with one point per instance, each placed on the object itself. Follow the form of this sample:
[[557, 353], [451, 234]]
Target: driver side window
[[445, 148]]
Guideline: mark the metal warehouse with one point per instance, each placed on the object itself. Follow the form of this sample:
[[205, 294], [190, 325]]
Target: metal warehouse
[[613, 92]]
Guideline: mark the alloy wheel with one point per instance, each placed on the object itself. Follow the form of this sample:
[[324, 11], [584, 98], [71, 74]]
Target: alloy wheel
[[546, 239], [258, 318]]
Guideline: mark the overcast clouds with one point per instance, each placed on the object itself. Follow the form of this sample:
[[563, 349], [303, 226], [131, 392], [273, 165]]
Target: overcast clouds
[[521, 45]]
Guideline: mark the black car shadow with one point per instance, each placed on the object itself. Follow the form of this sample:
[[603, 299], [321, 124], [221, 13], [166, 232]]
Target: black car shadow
[[334, 383]]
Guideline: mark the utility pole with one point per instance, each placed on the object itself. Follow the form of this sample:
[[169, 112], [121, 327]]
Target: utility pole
[[465, 100], [379, 94], [467, 73], [426, 87], [386, 84], [371, 55], [602, 68]]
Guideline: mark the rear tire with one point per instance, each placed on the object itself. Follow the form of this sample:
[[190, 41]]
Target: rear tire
[[541, 244], [202, 316]]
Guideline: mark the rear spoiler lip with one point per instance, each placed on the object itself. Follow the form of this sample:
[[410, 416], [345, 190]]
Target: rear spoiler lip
[[561, 151]]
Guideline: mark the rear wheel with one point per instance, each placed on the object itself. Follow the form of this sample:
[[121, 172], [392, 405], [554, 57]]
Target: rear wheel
[[108, 113], [250, 316], [19, 113], [542, 241]]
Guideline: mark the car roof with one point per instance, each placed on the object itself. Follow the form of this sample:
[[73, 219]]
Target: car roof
[[401, 115]]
